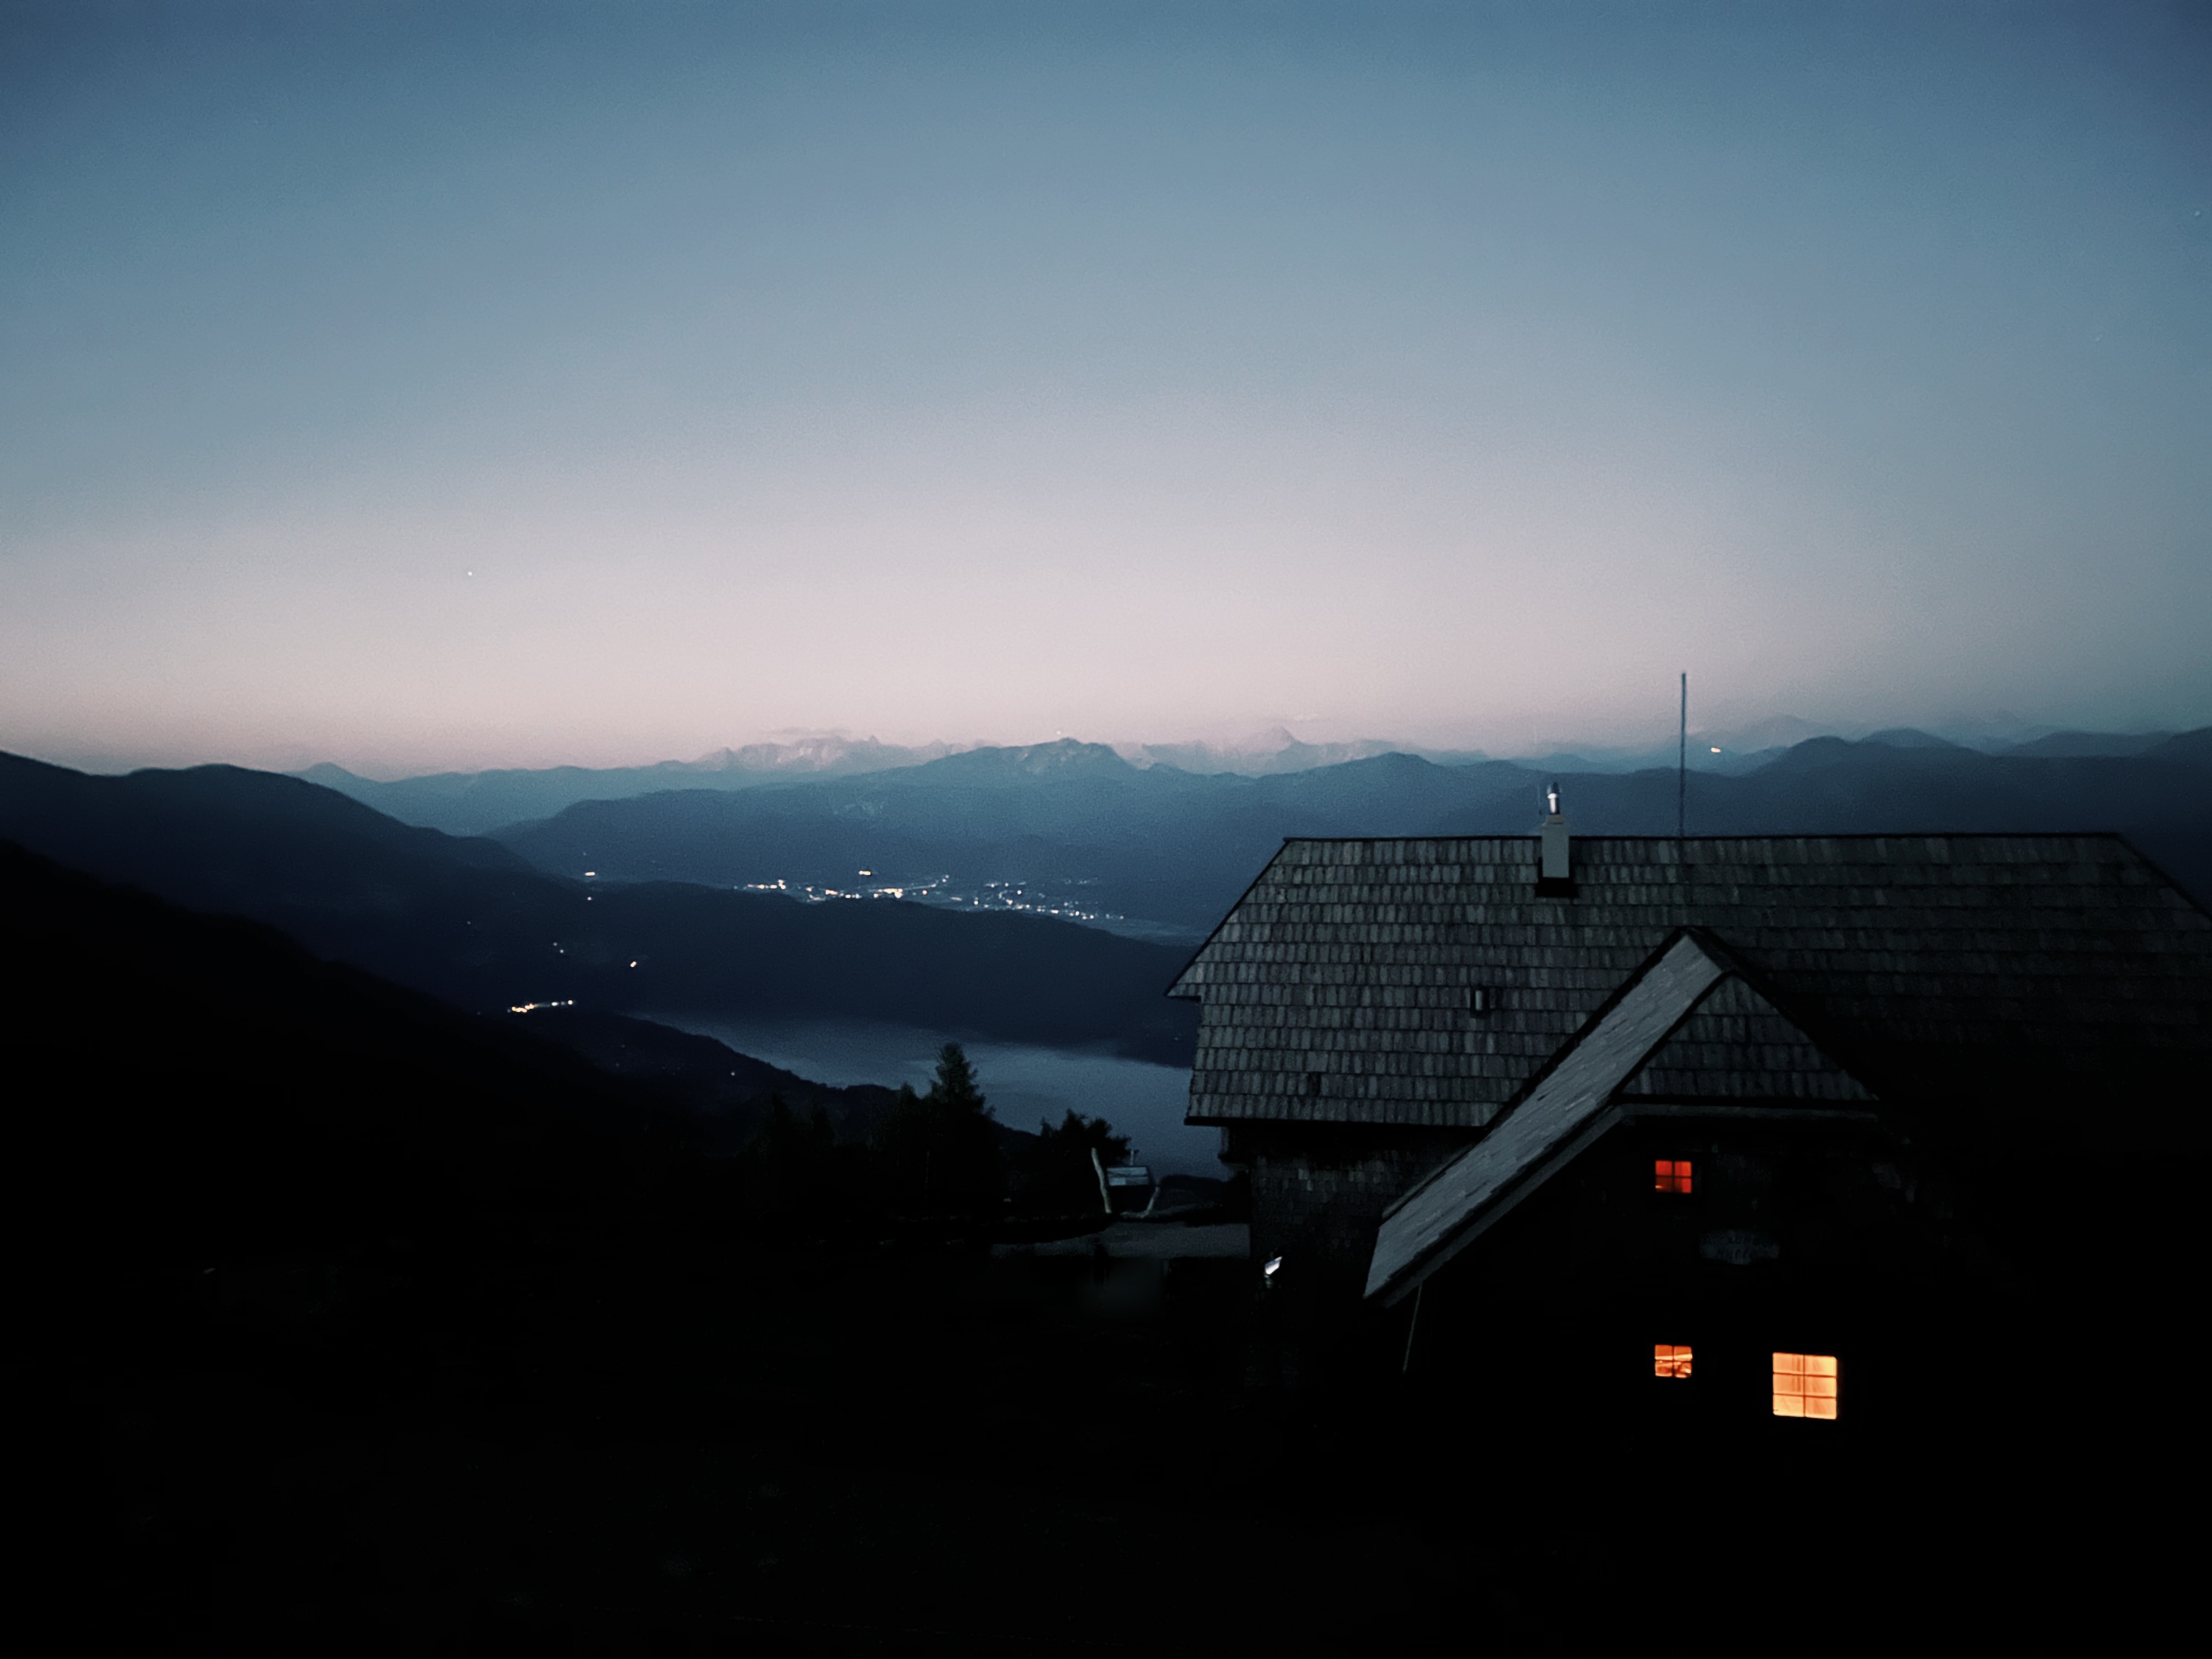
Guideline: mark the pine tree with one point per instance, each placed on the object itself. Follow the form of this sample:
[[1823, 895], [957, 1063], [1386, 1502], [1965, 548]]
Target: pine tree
[[955, 1089], [940, 1150], [789, 1172]]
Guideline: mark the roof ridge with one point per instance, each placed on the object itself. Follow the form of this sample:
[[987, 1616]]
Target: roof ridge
[[1817, 1031], [1227, 916], [1762, 998], [1570, 1102], [1590, 1028], [1806, 835], [1428, 979]]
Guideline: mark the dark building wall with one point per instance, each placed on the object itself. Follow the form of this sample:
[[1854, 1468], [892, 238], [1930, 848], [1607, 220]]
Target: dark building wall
[[1798, 1231], [1811, 1237], [1318, 1195]]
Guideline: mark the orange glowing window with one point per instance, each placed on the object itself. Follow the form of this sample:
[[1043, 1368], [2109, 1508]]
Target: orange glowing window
[[1671, 1359], [1671, 1175], [1805, 1385]]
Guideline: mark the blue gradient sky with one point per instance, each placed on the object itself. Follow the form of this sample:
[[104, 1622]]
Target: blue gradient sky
[[456, 384]]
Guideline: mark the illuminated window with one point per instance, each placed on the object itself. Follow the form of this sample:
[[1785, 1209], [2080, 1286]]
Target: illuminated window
[[1805, 1385], [1671, 1359], [1671, 1175]]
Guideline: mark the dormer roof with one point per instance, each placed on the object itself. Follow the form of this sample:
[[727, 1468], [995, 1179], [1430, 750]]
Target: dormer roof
[[1687, 1029]]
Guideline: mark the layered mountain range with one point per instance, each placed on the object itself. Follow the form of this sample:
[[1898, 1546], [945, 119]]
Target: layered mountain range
[[1077, 828], [475, 803], [587, 924]]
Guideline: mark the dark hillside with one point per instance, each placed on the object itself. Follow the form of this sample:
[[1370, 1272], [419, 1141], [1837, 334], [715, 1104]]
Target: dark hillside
[[1016, 976], [724, 1097], [469, 922], [187, 1088], [412, 905]]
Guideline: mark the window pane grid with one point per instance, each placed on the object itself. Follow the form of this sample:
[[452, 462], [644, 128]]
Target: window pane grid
[[1670, 1358], [1671, 1175], [1805, 1385]]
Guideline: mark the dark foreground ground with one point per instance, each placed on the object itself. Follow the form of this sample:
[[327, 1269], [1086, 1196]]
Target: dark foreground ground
[[887, 1448]]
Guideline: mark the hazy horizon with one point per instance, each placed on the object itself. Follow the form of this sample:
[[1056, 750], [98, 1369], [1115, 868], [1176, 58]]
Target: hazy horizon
[[443, 387], [1996, 733]]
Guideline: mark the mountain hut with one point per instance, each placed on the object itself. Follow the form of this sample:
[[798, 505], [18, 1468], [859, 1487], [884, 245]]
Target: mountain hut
[[1746, 1127]]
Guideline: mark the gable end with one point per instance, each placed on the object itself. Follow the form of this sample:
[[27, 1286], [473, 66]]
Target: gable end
[[1737, 1045]]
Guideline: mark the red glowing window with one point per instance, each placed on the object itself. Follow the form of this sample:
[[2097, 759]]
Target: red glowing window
[[1805, 1385], [1671, 1175], [1670, 1358]]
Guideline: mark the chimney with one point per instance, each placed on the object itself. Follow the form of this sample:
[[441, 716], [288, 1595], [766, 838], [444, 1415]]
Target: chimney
[[1555, 876]]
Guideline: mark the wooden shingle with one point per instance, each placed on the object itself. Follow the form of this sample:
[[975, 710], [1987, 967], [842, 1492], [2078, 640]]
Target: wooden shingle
[[1340, 989]]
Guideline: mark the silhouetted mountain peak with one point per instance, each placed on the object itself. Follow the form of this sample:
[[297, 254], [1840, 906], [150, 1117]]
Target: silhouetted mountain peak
[[1065, 758], [2189, 749], [1908, 737], [1276, 751], [1811, 753], [1373, 770], [827, 755], [2092, 746], [269, 795]]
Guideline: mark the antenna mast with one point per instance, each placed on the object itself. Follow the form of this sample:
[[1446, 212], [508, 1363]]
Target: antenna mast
[[1682, 766]]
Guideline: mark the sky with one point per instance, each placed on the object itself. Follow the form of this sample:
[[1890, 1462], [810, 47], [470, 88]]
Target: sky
[[459, 384]]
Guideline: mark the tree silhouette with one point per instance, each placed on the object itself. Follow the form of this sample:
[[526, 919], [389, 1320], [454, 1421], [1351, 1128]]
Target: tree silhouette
[[955, 1088], [791, 1170], [1056, 1172], [939, 1151]]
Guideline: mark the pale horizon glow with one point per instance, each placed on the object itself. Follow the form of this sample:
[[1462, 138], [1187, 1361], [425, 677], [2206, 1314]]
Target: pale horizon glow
[[490, 385]]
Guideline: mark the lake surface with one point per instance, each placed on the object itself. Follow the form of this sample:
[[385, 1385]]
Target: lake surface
[[1023, 1084]]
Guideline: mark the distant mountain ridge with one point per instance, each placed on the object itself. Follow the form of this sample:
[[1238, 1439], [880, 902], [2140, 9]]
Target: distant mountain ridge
[[478, 803], [1176, 847], [1266, 753], [469, 803]]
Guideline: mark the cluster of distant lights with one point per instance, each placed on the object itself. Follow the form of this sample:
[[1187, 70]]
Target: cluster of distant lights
[[994, 896], [532, 1007], [814, 895]]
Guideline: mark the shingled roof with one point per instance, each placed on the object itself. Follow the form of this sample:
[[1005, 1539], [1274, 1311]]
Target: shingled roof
[[1686, 1027], [1339, 988]]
